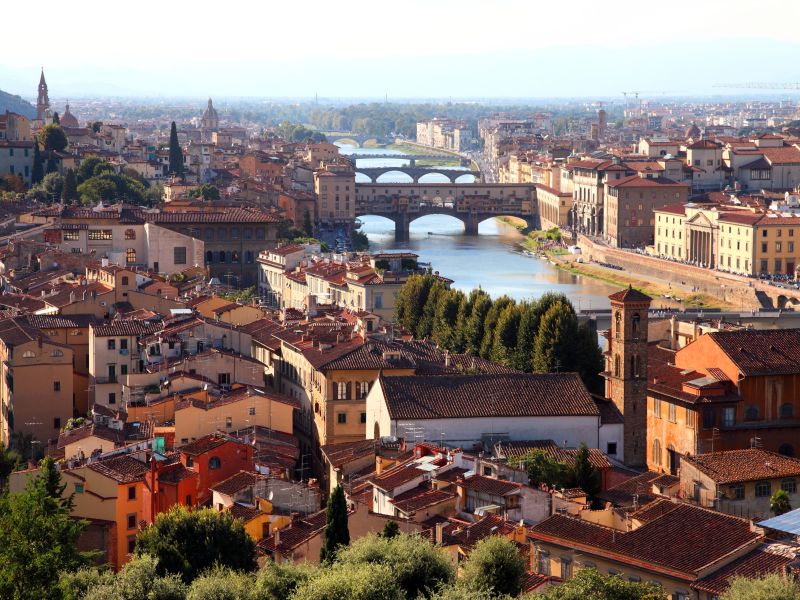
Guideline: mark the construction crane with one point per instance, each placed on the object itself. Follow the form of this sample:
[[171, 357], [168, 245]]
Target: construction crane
[[750, 85]]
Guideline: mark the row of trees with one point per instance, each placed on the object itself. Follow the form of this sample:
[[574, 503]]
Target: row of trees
[[540, 336]]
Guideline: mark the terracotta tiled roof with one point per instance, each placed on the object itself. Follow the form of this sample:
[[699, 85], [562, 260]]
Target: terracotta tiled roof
[[489, 485], [750, 464], [489, 525], [298, 532], [123, 469], [761, 352], [640, 487], [629, 295], [533, 581], [91, 430], [245, 513], [480, 396], [60, 321], [685, 539], [556, 452], [396, 476], [204, 444], [421, 497], [174, 473], [237, 483], [343, 453], [127, 327], [763, 561]]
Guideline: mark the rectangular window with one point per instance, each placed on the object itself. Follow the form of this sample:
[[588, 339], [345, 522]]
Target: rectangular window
[[123, 344], [123, 369], [228, 422], [763, 489], [672, 412], [789, 486], [111, 344], [252, 411], [56, 386], [132, 521], [72, 236], [96, 235], [543, 563], [179, 255], [611, 448], [112, 398], [341, 418], [728, 416], [131, 492], [363, 417], [130, 256], [737, 491], [57, 423], [657, 407], [78, 488], [566, 568], [131, 544], [777, 246]]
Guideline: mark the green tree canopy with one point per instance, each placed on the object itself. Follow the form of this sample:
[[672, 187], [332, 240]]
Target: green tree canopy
[[588, 584], [38, 538], [541, 468], [9, 461], [771, 587], [91, 166], [495, 566], [173, 541], [53, 138], [138, 579], [368, 581], [584, 474], [555, 340], [419, 568], [390, 529], [279, 581], [206, 191], [336, 534], [779, 503], [70, 190], [492, 316]]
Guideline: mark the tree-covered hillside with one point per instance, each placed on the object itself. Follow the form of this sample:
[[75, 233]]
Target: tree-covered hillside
[[16, 104]]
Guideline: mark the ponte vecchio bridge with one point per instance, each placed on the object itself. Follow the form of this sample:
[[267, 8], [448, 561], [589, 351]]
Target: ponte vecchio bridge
[[471, 203]]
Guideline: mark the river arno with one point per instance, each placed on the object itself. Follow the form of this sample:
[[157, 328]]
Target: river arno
[[490, 260]]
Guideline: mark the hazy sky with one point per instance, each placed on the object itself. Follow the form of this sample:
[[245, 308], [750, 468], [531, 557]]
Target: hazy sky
[[406, 48]]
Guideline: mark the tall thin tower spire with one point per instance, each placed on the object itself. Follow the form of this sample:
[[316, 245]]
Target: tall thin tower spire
[[42, 100]]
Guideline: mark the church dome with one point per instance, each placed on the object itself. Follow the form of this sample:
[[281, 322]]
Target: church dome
[[68, 119], [210, 112], [693, 131]]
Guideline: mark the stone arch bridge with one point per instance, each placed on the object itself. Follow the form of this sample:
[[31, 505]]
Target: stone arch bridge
[[416, 173], [471, 203], [356, 139]]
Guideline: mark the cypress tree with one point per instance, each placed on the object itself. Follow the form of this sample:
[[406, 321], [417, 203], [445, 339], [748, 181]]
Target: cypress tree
[[38, 165], [175, 152], [473, 332], [427, 319], [526, 336], [52, 165], [505, 336], [584, 474], [555, 341], [487, 343], [307, 226], [56, 119], [336, 533], [444, 322], [70, 191]]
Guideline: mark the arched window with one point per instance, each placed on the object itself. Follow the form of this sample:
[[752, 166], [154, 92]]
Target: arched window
[[751, 413], [222, 256], [29, 354], [787, 411], [235, 256], [209, 257], [341, 390], [214, 462], [656, 452], [635, 321], [616, 365], [633, 367], [248, 256]]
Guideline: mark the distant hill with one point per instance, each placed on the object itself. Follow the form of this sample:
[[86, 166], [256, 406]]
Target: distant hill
[[16, 104]]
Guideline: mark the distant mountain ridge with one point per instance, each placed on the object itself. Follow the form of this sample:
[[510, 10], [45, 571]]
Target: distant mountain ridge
[[16, 104]]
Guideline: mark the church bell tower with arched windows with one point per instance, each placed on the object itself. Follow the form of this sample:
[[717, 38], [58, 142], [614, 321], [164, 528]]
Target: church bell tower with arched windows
[[626, 369]]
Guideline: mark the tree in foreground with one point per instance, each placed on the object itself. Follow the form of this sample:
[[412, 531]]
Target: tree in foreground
[[222, 584], [175, 541], [771, 587], [495, 566], [52, 138], [37, 537], [390, 529], [352, 582], [175, 152], [588, 584], [278, 582], [336, 533], [9, 461], [138, 579], [419, 568], [779, 503]]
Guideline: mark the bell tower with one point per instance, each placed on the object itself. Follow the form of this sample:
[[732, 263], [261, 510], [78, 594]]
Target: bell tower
[[42, 100], [626, 369]]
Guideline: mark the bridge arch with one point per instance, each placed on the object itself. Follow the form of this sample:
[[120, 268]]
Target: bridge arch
[[344, 141], [784, 301]]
